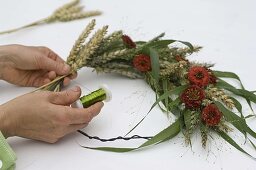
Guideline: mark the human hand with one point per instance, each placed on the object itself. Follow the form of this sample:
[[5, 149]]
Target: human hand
[[45, 116], [31, 66]]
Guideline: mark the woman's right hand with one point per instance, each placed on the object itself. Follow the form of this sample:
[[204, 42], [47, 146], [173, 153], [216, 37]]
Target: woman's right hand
[[45, 116]]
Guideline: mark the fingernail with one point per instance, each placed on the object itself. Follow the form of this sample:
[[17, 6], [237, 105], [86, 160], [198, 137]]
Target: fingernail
[[66, 68], [75, 89]]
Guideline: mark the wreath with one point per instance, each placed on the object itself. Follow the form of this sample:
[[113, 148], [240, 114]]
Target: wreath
[[193, 92]]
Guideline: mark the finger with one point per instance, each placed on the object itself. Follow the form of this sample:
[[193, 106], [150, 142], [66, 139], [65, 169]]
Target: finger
[[49, 53], [45, 81], [81, 116], [66, 97], [51, 65], [39, 78], [52, 62], [52, 75], [73, 128], [66, 81], [41, 81]]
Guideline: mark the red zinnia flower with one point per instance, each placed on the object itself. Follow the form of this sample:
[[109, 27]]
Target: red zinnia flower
[[128, 41], [193, 97], [211, 115], [199, 76], [142, 63]]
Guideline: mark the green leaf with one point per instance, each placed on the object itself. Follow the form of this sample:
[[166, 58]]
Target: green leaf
[[140, 42], [168, 133], [252, 144], [154, 64], [175, 91], [223, 84], [249, 116], [226, 74], [232, 117], [174, 103], [237, 105], [164, 43], [165, 88], [187, 118], [232, 142], [240, 92], [239, 108], [237, 121], [234, 76], [187, 44], [160, 43], [248, 95], [110, 149]]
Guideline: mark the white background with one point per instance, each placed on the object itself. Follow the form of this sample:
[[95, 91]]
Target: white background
[[226, 29]]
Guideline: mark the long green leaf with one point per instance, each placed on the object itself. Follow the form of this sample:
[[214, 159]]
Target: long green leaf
[[175, 91], [238, 105], [164, 43], [229, 87], [240, 109], [187, 118], [252, 144], [248, 96], [232, 142], [249, 116], [160, 43], [168, 133], [110, 149], [187, 44], [174, 104], [226, 74], [165, 88], [232, 117], [237, 121], [154, 64]]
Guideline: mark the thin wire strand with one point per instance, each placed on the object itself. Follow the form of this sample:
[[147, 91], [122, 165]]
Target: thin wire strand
[[110, 139], [114, 139]]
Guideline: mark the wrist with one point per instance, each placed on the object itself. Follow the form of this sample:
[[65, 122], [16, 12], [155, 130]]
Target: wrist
[[4, 123], [5, 57]]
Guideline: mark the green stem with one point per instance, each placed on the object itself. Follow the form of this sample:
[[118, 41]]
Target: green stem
[[42, 21], [52, 82]]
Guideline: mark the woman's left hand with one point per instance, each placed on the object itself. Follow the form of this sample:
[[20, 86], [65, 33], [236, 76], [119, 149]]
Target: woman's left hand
[[31, 66]]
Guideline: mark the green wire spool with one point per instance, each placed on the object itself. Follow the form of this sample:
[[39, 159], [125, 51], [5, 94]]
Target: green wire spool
[[102, 94]]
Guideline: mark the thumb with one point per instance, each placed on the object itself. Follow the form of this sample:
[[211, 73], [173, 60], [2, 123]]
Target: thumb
[[60, 68], [66, 97]]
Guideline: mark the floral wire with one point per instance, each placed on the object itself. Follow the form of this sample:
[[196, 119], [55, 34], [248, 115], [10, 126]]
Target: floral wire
[[114, 139]]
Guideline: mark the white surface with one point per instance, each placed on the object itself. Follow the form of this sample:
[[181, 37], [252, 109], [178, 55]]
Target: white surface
[[226, 28]]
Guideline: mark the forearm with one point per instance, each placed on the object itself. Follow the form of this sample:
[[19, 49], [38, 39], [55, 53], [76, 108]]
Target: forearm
[[4, 122]]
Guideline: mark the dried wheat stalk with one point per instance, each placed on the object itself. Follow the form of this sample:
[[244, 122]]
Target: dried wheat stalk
[[68, 12]]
